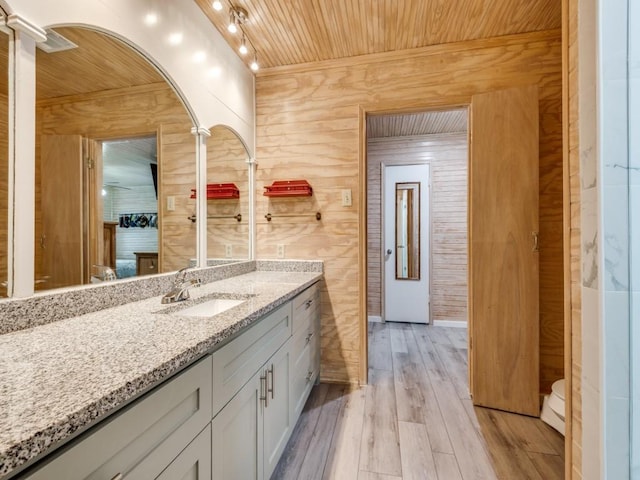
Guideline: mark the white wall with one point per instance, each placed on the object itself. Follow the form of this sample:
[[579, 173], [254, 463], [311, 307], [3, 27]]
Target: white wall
[[614, 259], [634, 244], [217, 86], [130, 240], [589, 200]]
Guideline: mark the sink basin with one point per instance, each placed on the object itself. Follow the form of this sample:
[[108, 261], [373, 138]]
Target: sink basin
[[210, 308]]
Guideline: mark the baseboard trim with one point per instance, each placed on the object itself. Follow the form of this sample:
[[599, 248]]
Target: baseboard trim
[[449, 323], [374, 318]]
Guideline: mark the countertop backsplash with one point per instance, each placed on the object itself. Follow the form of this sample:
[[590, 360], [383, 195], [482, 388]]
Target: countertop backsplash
[[42, 308]]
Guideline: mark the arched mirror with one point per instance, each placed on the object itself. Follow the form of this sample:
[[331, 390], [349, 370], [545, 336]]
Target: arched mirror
[[115, 164], [227, 197], [4, 157]]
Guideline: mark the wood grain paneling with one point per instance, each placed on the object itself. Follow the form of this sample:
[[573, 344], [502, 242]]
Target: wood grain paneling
[[412, 124], [504, 325], [287, 32], [573, 376], [308, 125], [447, 155], [99, 63], [227, 163], [127, 113]]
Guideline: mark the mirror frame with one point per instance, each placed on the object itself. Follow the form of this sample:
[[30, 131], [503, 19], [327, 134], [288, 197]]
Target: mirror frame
[[21, 159], [411, 247]]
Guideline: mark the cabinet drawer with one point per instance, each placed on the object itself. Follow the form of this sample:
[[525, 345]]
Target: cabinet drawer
[[194, 462], [302, 378], [301, 342], [141, 441], [306, 305], [237, 361]]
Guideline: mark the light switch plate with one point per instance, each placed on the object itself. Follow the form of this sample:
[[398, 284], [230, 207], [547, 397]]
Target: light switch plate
[[346, 197], [171, 203]]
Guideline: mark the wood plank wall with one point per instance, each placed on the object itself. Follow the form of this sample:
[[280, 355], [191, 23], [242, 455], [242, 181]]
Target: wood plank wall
[[308, 126], [4, 189], [227, 163], [131, 112], [447, 155]]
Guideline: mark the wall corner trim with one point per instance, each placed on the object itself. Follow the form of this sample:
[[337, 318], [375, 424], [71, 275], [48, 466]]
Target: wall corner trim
[[21, 24], [201, 131]]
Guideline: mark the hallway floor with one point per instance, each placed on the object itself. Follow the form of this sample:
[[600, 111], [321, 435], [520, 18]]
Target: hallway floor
[[415, 420]]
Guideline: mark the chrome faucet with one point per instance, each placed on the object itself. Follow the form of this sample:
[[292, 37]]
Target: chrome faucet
[[180, 290]]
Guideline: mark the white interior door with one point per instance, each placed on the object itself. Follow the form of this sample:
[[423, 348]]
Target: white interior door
[[406, 243]]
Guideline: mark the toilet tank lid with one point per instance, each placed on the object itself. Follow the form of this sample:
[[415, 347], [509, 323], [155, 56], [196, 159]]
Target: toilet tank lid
[[558, 388]]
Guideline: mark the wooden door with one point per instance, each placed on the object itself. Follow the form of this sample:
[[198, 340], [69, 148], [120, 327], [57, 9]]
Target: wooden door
[[93, 207], [503, 257], [62, 210]]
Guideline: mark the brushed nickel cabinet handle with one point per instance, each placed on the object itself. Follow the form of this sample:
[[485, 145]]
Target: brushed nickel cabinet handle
[[118, 477], [308, 304], [271, 390], [263, 396]]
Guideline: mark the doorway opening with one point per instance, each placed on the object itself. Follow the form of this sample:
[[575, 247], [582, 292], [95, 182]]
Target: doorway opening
[[438, 141], [505, 177], [130, 207]]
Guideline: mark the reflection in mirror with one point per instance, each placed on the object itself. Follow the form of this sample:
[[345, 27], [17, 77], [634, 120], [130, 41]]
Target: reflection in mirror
[[129, 194], [227, 238], [104, 116], [4, 160], [408, 231]]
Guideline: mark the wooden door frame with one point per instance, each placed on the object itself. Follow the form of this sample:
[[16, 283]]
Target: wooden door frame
[[363, 250], [377, 109]]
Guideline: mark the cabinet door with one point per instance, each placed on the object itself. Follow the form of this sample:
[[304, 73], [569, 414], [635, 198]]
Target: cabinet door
[[277, 421], [194, 463], [143, 439], [237, 434], [241, 358]]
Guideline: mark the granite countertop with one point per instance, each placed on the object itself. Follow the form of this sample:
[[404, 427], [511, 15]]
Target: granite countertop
[[57, 379]]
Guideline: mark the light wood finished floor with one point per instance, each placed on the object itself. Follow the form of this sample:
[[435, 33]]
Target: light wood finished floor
[[415, 420]]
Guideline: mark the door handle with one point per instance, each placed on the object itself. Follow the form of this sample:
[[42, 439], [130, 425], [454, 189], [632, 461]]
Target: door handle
[[536, 245], [389, 251]]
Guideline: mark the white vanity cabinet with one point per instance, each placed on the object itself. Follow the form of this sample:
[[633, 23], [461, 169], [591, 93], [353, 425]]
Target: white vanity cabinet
[[305, 347], [252, 429], [228, 416], [145, 438]]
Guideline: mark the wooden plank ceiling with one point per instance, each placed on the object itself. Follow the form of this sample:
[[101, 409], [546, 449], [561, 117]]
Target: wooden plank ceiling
[[99, 63], [427, 123], [286, 32]]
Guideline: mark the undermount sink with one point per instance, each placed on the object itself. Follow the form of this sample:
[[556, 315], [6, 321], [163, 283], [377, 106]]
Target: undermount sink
[[211, 307]]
